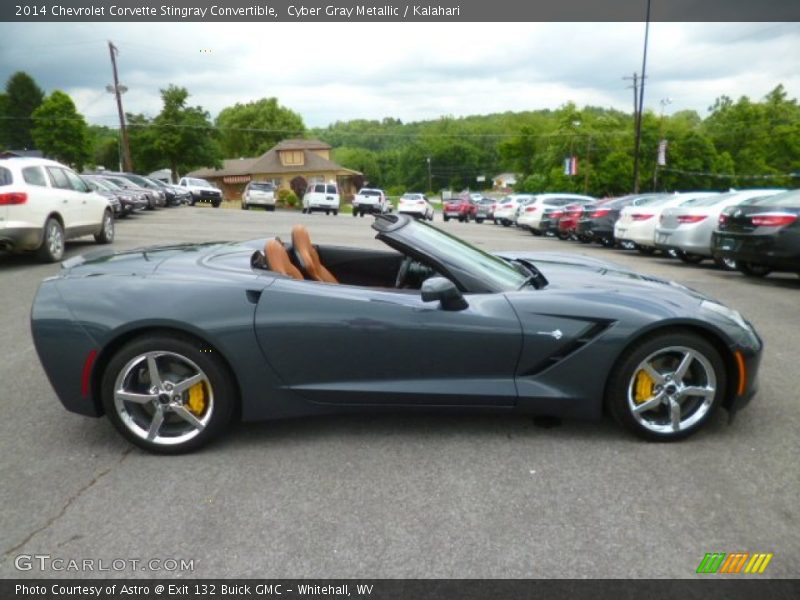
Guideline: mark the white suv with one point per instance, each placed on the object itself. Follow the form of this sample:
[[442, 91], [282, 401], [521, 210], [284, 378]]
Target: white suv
[[321, 196], [259, 193], [43, 203]]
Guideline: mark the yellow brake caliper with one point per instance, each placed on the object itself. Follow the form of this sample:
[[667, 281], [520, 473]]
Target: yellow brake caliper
[[644, 387], [197, 399]]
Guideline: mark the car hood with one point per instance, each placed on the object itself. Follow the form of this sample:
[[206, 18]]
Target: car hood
[[578, 273]]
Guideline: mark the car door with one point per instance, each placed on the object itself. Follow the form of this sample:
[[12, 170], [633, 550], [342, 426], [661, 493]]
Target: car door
[[91, 206], [64, 199], [352, 345]]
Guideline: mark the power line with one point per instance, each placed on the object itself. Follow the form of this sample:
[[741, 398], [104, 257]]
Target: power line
[[730, 175]]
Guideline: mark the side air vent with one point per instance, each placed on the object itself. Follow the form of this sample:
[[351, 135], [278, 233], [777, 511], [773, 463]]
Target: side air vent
[[587, 335]]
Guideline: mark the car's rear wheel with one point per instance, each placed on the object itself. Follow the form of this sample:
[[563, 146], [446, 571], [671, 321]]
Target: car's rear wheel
[[216, 203], [752, 269], [168, 394], [689, 258], [335, 212], [667, 386], [479, 221], [52, 248], [506, 223], [106, 233], [245, 205]]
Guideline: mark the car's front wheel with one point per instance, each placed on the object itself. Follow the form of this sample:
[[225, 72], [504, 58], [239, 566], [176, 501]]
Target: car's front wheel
[[106, 233], [667, 386], [752, 269], [168, 394], [689, 258]]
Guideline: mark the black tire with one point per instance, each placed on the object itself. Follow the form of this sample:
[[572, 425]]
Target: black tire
[[620, 385], [327, 212], [479, 221], [221, 389], [245, 205], [562, 235], [752, 269], [216, 203], [689, 258], [52, 248], [304, 210], [335, 212], [506, 223], [192, 201], [106, 233], [446, 218], [726, 264], [362, 213], [270, 208], [355, 213]]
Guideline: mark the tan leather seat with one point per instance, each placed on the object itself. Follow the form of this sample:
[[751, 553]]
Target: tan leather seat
[[309, 257], [279, 261]]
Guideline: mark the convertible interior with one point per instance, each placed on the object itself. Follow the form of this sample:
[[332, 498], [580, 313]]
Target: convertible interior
[[303, 260]]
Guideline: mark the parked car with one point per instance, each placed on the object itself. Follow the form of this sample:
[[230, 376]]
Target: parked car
[[175, 194], [321, 197], [44, 203], [515, 332], [541, 212], [150, 197], [597, 224], [132, 200], [566, 226], [484, 209], [201, 191], [636, 226], [460, 208], [104, 190], [688, 229], [761, 235], [416, 205], [259, 193], [371, 201], [505, 211], [155, 194]]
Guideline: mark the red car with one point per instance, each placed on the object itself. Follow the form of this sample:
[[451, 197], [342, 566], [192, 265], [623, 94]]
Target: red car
[[459, 208], [569, 218]]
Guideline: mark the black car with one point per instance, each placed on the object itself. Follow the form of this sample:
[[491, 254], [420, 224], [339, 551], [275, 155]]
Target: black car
[[152, 197], [598, 225], [762, 235], [130, 200], [175, 195], [156, 195]]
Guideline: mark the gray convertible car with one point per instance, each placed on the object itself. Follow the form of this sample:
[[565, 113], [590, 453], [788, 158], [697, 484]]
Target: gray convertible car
[[266, 329]]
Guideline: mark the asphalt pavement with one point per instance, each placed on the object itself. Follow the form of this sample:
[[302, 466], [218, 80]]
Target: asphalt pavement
[[398, 496]]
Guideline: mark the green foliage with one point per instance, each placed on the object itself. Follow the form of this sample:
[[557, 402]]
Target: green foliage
[[287, 198], [22, 97], [60, 132], [253, 128]]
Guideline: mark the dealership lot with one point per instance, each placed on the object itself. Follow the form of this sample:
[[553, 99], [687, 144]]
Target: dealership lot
[[401, 496]]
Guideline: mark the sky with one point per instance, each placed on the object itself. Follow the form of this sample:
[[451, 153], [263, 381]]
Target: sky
[[331, 72]]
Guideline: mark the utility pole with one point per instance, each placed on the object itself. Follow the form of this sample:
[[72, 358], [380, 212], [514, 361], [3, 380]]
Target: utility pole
[[641, 105], [117, 90], [663, 102], [430, 184]]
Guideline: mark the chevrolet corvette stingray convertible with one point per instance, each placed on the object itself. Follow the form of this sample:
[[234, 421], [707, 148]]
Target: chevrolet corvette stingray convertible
[[266, 329]]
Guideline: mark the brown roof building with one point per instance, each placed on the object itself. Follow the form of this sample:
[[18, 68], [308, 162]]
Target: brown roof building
[[311, 159]]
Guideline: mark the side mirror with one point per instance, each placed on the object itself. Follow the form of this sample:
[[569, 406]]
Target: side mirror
[[445, 291]]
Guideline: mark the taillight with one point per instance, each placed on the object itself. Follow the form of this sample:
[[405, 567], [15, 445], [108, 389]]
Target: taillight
[[530, 209], [601, 212], [691, 218], [641, 217], [505, 206], [773, 219], [13, 198]]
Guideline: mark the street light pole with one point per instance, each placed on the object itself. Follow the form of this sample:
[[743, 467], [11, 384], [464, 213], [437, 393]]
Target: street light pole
[[664, 102], [118, 90]]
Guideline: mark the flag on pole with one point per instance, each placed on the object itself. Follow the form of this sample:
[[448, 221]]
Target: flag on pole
[[662, 153], [571, 165]]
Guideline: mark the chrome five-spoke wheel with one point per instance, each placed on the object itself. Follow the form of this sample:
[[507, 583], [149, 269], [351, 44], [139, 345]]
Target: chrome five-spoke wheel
[[163, 397], [168, 393], [672, 389], [666, 386]]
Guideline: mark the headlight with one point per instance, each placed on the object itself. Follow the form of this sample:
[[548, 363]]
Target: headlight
[[729, 313]]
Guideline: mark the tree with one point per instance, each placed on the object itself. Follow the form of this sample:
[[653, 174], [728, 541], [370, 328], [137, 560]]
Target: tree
[[22, 97], [253, 128], [60, 132], [362, 160], [182, 135], [299, 186]]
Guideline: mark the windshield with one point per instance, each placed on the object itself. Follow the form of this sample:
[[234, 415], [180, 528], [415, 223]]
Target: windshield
[[411, 197], [459, 256], [99, 183], [198, 182]]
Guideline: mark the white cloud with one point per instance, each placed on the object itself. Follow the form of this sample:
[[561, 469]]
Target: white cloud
[[340, 71]]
